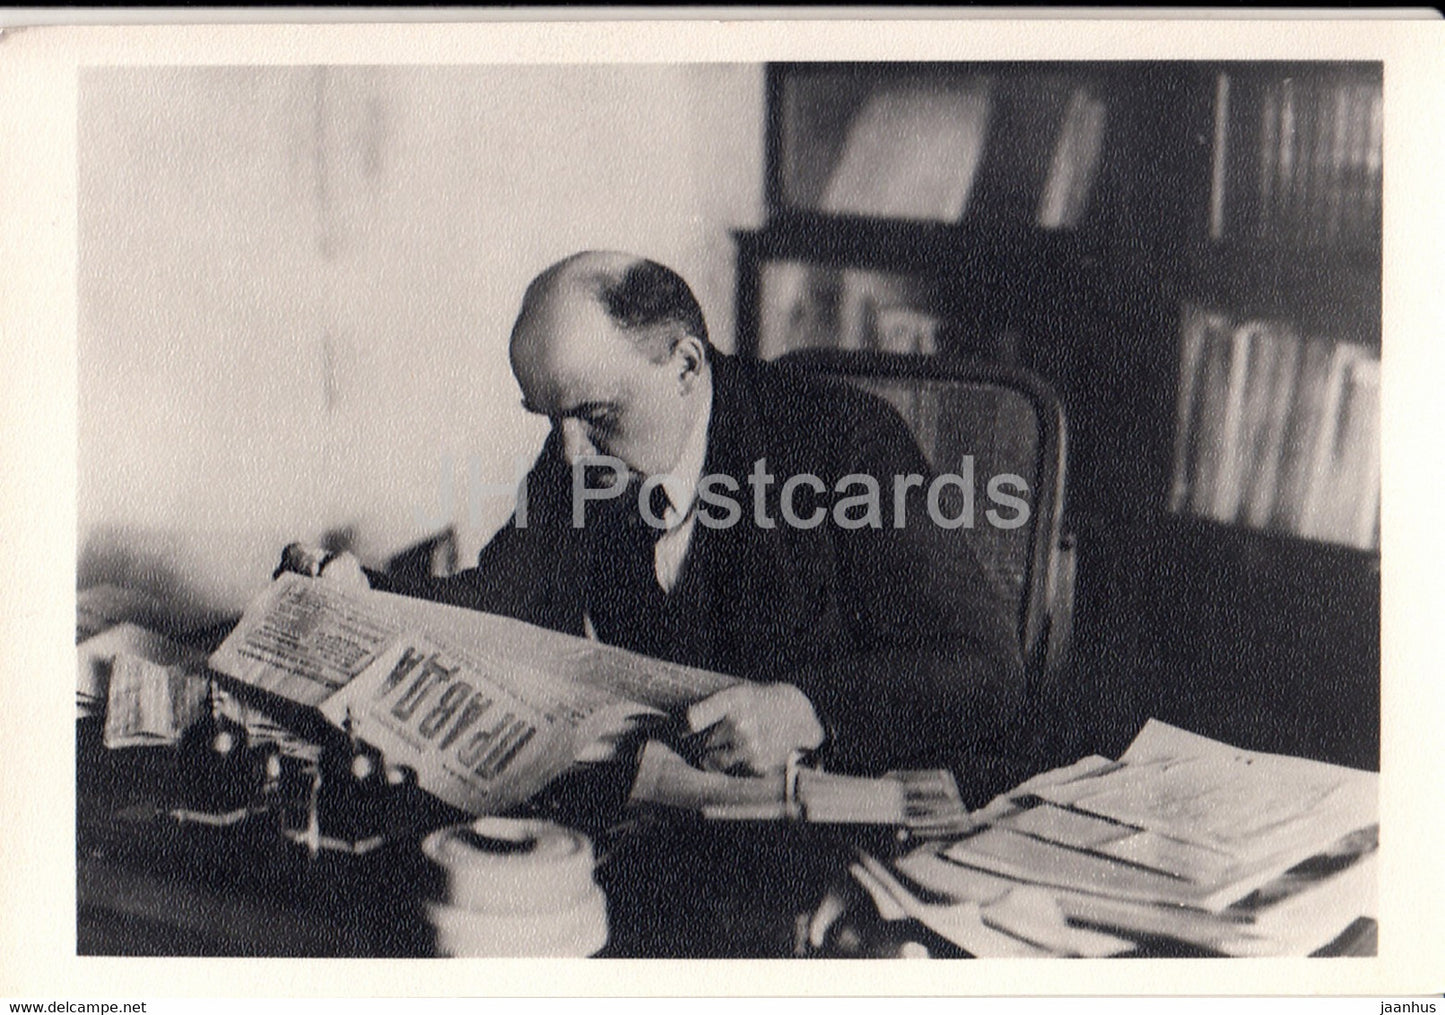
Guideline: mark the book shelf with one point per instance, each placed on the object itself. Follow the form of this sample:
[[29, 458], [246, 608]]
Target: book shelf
[[1277, 420], [1112, 227], [1040, 252]]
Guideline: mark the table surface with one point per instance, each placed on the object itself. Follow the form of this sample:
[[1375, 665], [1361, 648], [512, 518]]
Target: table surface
[[676, 886]]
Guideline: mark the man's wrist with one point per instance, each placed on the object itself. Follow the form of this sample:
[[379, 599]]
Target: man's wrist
[[818, 756]]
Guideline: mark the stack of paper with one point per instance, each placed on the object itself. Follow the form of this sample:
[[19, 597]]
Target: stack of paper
[[151, 705], [96, 658], [1183, 838], [148, 689]]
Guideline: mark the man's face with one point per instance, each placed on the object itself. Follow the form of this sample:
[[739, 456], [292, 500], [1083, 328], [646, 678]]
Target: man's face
[[576, 368]]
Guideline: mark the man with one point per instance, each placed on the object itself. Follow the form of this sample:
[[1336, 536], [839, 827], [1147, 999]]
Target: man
[[880, 641]]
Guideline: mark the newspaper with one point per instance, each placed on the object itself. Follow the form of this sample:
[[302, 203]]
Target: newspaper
[[486, 709], [476, 745]]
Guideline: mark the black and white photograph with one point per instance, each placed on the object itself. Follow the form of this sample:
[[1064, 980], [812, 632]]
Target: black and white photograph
[[824, 504]]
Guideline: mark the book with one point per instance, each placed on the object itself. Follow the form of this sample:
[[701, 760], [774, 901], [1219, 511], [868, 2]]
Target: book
[[1075, 162], [1262, 484], [869, 301], [1194, 330], [1286, 163], [1374, 153], [1253, 360], [1314, 123], [1269, 131], [1220, 162], [926, 802], [1347, 495], [96, 656], [1307, 906], [934, 872], [1211, 412], [1364, 530], [799, 308], [1336, 177], [1318, 160], [1217, 472], [1306, 419], [1276, 430], [912, 152], [1296, 913], [904, 329], [1019, 922], [1356, 197], [1327, 457], [151, 704]]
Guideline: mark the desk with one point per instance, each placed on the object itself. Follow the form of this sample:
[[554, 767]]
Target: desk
[[148, 885], [676, 887]]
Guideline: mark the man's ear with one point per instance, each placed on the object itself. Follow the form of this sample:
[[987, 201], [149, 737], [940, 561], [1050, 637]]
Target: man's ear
[[690, 357]]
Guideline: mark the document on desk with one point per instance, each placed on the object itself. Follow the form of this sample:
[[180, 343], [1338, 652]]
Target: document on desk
[[1182, 837], [490, 708], [1179, 820], [1206, 806]]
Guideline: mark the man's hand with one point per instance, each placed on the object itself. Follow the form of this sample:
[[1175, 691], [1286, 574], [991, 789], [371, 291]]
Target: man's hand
[[607, 735], [312, 561], [752, 728]]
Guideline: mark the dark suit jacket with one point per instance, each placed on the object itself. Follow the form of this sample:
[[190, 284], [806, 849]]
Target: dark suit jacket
[[897, 635]]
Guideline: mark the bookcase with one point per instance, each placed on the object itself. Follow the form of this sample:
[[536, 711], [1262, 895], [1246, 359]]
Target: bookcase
[[1189, 253]]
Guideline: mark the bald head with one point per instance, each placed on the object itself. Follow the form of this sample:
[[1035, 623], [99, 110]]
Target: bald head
[[613, 348], [650, 304]]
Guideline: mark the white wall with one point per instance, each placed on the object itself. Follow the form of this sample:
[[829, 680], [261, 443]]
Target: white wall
[[296, 286]]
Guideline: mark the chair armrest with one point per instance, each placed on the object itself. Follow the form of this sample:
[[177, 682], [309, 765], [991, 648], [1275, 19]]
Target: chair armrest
[[1060, 606]]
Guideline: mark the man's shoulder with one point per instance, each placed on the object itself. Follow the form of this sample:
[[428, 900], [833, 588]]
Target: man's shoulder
[[803, 408], [797, 397]]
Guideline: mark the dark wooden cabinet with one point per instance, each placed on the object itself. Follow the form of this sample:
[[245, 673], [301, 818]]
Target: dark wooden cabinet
[[1086, 210]]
